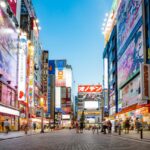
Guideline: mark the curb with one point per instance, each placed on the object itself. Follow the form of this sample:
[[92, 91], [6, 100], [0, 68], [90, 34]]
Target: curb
[[21, 136], [144, 140]]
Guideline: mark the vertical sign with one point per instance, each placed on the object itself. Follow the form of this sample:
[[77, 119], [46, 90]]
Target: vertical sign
[[13, 5], [58, 97], [22, 67], [31, 74], [60, 73], [145, 81]]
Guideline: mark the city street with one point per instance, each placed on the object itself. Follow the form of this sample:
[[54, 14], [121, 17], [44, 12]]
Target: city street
[[69, 140]]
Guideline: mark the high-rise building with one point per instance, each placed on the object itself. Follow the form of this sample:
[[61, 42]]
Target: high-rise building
[[131, 59]]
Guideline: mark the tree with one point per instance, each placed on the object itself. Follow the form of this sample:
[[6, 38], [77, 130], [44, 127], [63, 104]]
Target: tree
[[82, 119]]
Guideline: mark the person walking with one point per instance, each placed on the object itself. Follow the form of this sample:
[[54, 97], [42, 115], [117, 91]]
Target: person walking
[[25, 127], [138, 125], [116, 125], [34, 126], [6, 125], [127, 126], [109, 126], [105, 126], [77, 127], [81, 127], [93, 129]]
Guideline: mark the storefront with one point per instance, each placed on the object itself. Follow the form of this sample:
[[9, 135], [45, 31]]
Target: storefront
[[12, 115], [38, 122], [136, 111]]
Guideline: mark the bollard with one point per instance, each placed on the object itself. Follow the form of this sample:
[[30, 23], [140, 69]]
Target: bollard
[[119, 130], [141, 133]]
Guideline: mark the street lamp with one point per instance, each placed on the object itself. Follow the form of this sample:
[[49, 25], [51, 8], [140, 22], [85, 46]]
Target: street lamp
[[42, 113]]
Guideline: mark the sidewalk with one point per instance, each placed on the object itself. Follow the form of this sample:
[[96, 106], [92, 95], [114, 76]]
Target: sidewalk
[[10, 135], [134, 135]]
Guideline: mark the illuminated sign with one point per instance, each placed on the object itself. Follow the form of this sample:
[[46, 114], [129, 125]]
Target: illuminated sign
[[90, 88], [91, 105], [60, 77], [58, 97], [65, 116], [9, 111], [129, 13], [145, 81], [31, 74], [22, 68]]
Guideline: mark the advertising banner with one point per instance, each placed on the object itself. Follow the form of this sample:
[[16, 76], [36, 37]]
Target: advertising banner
[[145, 81], [13, 5], [129, 13], [31, 74], [8, 49], [51, 67], [22, 60], [90, 88], [89, 96], [131, 59], [131, 93], [57, 97]]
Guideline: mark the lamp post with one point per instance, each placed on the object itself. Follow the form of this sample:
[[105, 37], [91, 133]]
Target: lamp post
[[42, 113]]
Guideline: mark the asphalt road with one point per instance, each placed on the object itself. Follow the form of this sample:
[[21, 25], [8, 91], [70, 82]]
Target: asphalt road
[[69, 140]]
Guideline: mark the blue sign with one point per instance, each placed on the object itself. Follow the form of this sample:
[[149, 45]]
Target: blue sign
[[51, 67]]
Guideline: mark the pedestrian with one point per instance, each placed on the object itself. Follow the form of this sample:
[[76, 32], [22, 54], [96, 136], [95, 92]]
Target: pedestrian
[[131, 125], [34, 126], [25, 127], [6, 125], [104, 126], [109, 126], [127, 126], [77, 127], [138, 125], [93, 129], [81, 127], [116, 125]]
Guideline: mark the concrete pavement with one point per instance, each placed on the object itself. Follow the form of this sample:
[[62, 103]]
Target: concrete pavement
[[69, 140]]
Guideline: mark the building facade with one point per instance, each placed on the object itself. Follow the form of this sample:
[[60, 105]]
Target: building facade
[[131, 60]]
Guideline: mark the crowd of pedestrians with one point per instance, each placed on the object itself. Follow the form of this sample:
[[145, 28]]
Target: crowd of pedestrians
[[128, 124], [106, 126]]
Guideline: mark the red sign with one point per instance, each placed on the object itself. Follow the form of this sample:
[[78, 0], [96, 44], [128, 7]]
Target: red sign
[[13, 5], [90, 88]]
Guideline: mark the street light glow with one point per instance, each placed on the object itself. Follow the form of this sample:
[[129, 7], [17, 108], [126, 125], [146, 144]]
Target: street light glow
[[37, 20], [3, 4]]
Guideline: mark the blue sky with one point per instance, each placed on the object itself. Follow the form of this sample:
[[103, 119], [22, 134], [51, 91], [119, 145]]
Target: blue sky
[[71, 29]]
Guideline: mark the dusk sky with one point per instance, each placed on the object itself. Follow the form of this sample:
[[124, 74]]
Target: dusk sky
[[71, 29]]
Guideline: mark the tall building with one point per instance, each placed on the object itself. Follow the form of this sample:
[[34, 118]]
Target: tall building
[[60, 92], [89, 98], [110, 61], [8, 65], [131, 59]]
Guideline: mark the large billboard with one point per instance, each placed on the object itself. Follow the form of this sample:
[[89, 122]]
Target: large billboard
[[129, 13], [90, 88], [145, 81], [131, 93], [57, 97], [129, 63], [22, 60], [60, 73], [8, 49], [91, 105]]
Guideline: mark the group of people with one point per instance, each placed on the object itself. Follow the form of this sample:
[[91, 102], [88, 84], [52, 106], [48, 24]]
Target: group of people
[[79, 127], [106, 126], [128, 124]]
